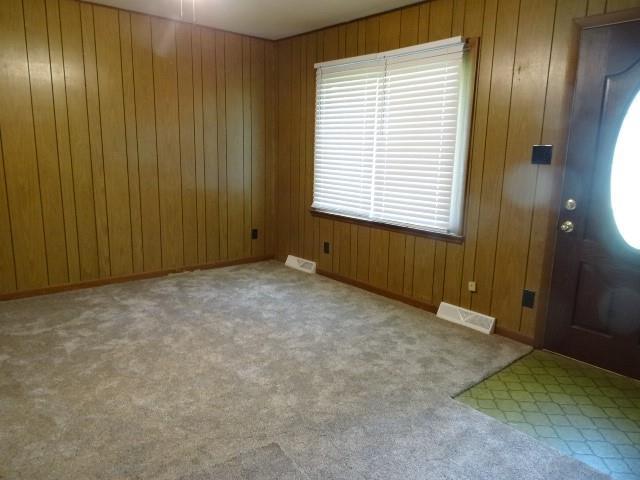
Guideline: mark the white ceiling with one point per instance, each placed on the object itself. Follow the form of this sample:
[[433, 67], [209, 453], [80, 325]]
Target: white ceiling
[[272, 19]]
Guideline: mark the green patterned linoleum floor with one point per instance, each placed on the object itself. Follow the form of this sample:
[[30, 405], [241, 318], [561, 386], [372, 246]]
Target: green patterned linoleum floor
[[583, 411]]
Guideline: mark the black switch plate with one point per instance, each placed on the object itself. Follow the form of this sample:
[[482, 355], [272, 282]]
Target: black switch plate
[[541, 154], [327, 247], [528, 298], [254, 233]]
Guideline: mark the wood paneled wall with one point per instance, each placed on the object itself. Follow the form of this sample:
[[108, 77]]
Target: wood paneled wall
[[129, 144], [522, 97]]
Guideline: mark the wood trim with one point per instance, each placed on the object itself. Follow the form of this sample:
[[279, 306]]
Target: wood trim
[[380, 291], [518, 337], [622, 16], [447, 237], [128, 278], [503, 332]]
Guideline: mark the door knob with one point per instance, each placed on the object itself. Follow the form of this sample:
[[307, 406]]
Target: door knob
[[570, 204], [567, 226]]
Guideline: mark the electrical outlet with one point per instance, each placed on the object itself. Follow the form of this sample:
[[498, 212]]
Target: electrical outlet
[[528, 298], [254, 233], [327, 247], [472, 286]]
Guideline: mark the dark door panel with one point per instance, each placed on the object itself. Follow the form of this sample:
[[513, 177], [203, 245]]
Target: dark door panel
[[594, 313]]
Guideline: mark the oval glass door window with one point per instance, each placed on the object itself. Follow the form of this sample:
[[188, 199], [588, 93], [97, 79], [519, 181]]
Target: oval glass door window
[[625, 177]]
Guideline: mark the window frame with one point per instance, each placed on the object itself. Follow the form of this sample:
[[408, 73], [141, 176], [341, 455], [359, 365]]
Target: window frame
[[471, 48]]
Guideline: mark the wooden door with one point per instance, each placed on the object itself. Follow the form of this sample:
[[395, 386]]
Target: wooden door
[[594, 312]]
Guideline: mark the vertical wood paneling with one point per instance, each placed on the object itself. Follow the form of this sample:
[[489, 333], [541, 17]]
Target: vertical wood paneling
[[187, 142], [409, 265], [495, 149], [113, 144], [210, 122], [302, 144], [221, 110], [235, 144], [424, 257], [457, 21], [390, 30], [596, 7], [62, 136], [396, 262], [78, 129], [424, 19], [295, 160], [363, 249], [146, 140], [45, 139], [453, 273], [439, 269], [326, 235], [410, 22], [478, 141], [473, 18], [528, 92], [95, 138], [258, 145], [7, 266], [168, 140], [247, 127], [19, 151], [353, 253], [198, 136], [283, 198], [114, 151], [378, 257], [133, 170], [372, 34], [440, 19], [310, 222], [272, 145], [342, 241], [615, 5]]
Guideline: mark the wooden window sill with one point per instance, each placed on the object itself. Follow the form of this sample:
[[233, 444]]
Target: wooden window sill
[[447, 237]]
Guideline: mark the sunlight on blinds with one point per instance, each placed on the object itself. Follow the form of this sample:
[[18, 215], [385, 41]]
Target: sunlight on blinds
[[391, 136]]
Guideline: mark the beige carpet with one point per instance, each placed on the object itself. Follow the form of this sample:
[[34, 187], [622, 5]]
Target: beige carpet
[[177, 376], [265, 463]]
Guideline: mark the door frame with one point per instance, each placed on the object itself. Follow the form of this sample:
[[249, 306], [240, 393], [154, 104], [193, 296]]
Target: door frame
[[579, 25]]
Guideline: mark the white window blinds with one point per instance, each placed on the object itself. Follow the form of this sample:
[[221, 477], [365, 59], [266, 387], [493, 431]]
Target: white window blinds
[[391, 136]]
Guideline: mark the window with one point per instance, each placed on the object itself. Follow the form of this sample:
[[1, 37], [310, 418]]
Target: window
[[391, 136], [625, 172]]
